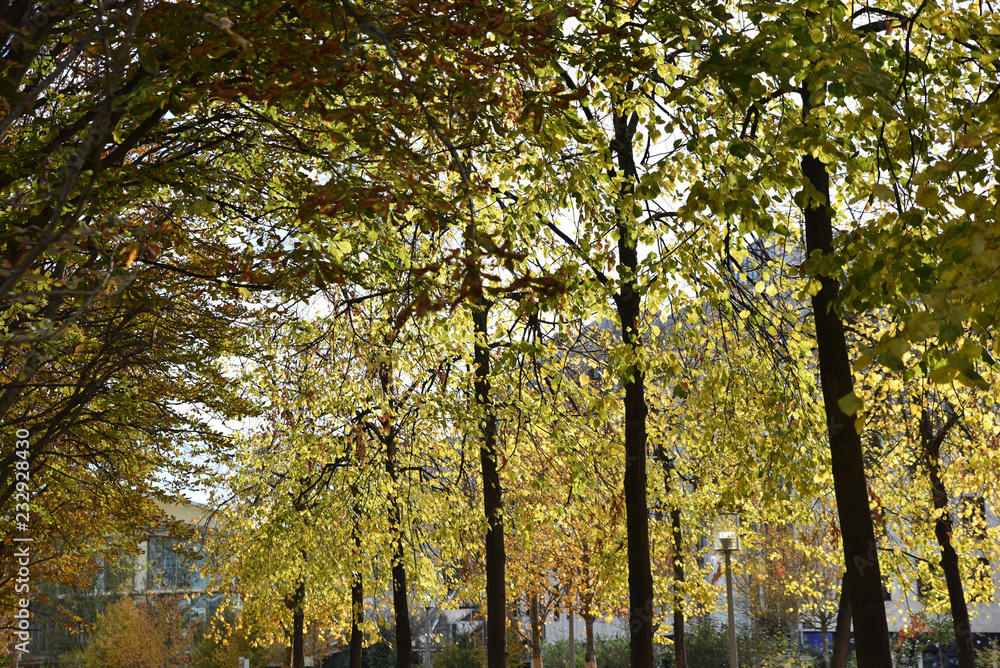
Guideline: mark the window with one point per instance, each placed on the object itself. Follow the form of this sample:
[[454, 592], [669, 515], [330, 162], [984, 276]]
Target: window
[[886, 591], [984, 571], [116, 575], [168, 569], [972, 514]]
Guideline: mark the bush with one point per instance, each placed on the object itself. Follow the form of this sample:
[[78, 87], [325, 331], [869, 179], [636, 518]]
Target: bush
[[220, 642], [707, 646], [463, 652], [612, 652], [380, 654], [150, 634], [988, 656]]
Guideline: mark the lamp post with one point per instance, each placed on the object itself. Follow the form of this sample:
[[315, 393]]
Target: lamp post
[[572, 639], [727, 541], [427, 636]]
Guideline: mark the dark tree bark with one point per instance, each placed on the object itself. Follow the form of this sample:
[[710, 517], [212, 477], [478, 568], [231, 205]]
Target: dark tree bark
[[590, 654], [842, 635], [400, 603], [931, 444], [357, 597], [680, 654], [294, 603], [871, 632], [496, 594], [629, 306], [536, 633]]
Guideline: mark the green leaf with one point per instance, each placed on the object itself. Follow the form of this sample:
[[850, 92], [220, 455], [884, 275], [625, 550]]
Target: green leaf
[[927, 196], [883, 192], [850, 404]]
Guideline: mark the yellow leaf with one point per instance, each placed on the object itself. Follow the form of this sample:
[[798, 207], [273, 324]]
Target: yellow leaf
[[883, 192], [969, 140], [129, 255]]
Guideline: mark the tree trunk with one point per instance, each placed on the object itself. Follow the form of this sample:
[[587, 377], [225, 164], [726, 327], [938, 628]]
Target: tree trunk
[[536, 633], [294, 603], [871, 631], [680, 655], [628, 303], [298, 633], [590, 655], [496, 595], [571, 633], [842, 634], [825, 630], [400, 604], [942, 530], [357, 597]]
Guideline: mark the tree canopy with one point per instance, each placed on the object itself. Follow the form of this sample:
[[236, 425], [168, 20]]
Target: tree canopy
[[500, 302]]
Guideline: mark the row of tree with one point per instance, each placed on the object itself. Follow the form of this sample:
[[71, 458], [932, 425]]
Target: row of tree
[[488, 200]]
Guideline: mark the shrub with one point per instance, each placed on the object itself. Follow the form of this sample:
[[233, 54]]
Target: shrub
[[612, 652], [707, 646], [462, 652], [147, 635]]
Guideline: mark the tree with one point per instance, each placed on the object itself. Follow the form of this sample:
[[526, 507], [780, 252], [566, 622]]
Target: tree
[[147, 635], [114, 315], [221, 641], [830, 59], [930, 445], [282, 481], [791, 575], [520, 166], [567, 554]]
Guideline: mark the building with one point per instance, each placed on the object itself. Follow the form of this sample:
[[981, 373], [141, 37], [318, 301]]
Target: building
[[160, 567]]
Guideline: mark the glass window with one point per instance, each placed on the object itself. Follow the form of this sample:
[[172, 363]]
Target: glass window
[[972, 512], [168, 568]]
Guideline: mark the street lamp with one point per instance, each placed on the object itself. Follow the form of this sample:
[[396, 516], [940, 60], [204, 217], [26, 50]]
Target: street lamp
[[726, 539]]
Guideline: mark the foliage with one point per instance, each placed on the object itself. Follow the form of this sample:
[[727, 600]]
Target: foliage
[[612, 652], [149, 634], [222, 640], [464, 651], [788, 574], [989, 656], [623, 183], [707, 644], [380, 654], [923, 634]]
